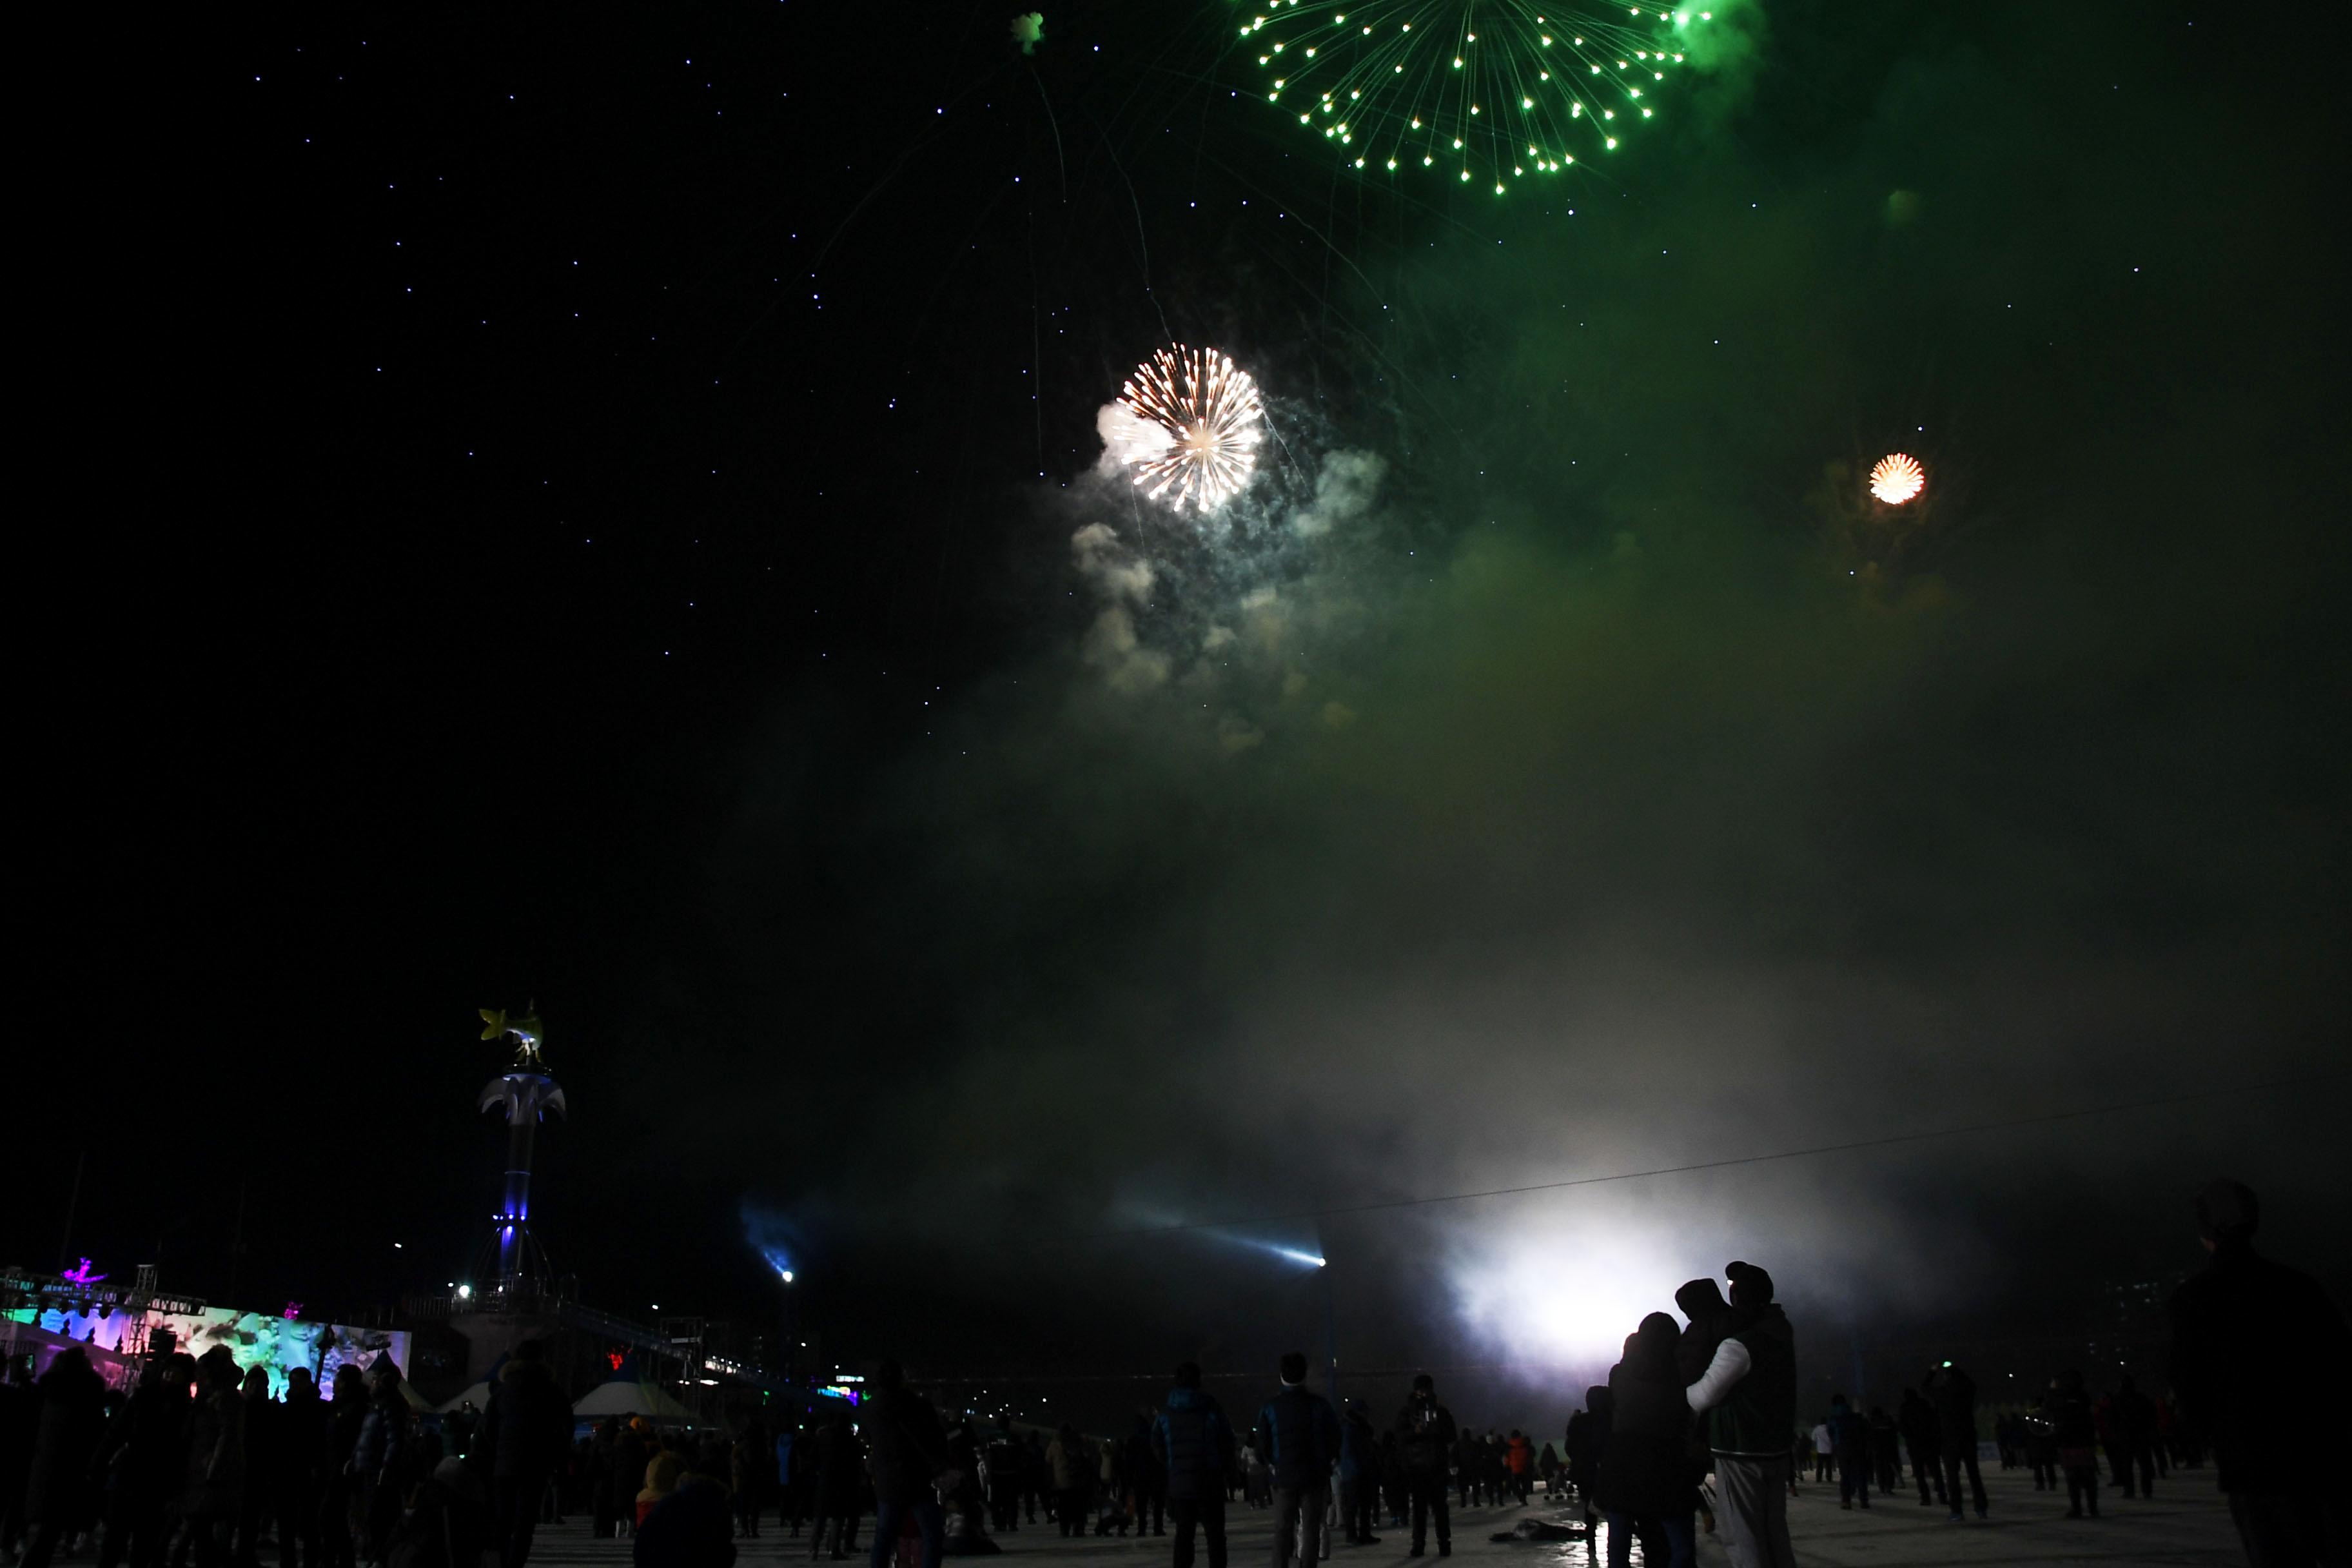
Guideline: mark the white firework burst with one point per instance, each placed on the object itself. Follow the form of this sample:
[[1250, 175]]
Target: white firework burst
[[1208, 418], [1898, 477]]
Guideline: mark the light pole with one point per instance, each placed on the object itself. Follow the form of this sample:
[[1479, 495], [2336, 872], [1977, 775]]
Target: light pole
[[1331, 1332]]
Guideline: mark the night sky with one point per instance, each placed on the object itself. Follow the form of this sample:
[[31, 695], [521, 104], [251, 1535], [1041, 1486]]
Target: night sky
[[601, 505]]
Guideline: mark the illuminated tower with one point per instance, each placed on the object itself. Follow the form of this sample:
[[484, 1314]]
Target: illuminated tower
[[526, 1094]]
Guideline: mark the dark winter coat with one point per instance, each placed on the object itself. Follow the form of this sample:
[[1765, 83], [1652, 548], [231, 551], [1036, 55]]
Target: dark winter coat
[[214, 1480], [1954, 1394], [65, 1435], [1761, 1410], [752, 1466], [691, 1528], [345, 1420], [383, 1432], [149, 1437], [2259, 1359], [2134, 1415], [1642, 1469], [1700, 1301], [448, 1527], [526, 1430], [1359, 1448], [1917, 1419], [1299, 1436], [300, 1454], [2067, 1413], [840, 1471], [1425, 1436], [1849, 1433], [625, 1465], [1588, 1437], [1193, 1438], [909, 1447]]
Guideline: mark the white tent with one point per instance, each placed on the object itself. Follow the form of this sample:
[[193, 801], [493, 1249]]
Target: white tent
[[478, 1392], [629, 1397]]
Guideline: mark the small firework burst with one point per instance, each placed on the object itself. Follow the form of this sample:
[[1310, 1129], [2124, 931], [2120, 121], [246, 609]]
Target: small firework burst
[[1212, 418], [1898, 477]]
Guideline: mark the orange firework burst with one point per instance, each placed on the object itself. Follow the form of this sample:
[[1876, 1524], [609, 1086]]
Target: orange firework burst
[[1898, 477], [1213, 419]]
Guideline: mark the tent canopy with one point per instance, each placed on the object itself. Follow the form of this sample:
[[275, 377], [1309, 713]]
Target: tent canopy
[[617, 1397], [480, 1393]]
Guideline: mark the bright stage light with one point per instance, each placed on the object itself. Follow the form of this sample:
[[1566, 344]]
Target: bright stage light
[[1297, 1256], [1571, 1299]]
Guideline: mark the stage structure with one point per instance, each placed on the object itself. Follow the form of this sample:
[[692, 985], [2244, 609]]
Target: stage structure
[[119, 1326], [526, 1094]]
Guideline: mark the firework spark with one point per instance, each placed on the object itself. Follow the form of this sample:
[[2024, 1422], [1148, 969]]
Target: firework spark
[[1494, 89], [1898, 477], [1209, 419]]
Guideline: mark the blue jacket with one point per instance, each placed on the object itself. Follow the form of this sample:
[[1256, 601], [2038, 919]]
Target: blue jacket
[[1849, 1433], [1190, 1437], [1300, 1437]]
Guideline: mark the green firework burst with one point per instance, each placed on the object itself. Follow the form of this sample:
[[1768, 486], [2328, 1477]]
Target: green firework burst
[[1486, 92]]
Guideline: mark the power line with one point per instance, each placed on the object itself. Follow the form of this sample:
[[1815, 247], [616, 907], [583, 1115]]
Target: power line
[[1380, 1205]]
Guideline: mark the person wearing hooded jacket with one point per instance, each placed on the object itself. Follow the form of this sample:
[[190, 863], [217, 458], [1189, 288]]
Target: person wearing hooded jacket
[[1359, 1476], [1425, 1437], [840, 1489], [1954, 1394], [525, 1435], [1885, 1453], [910, 1449], [1850, 1442], [346, 1415], [2259, 1358], [1587, 1440], [214, 1478], [387, 1432], [1194, 1442], [71, 1419], [1917, 1418], [145, 1450], [1642, 1482], [2130, 1439], [1750, 1390], [2075, 1435]]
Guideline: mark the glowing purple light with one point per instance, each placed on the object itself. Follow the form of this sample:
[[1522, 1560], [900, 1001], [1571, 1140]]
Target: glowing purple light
[[81, 1275]]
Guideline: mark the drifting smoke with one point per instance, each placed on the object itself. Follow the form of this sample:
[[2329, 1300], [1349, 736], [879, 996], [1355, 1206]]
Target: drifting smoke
[[1513, 784], [1217, 603], [1344, 492], [1128, 438]]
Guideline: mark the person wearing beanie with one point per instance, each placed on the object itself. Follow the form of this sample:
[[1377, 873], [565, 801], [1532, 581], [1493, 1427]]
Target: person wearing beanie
[[1749, 1393], [2260, 1356], [1425, 1436]]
